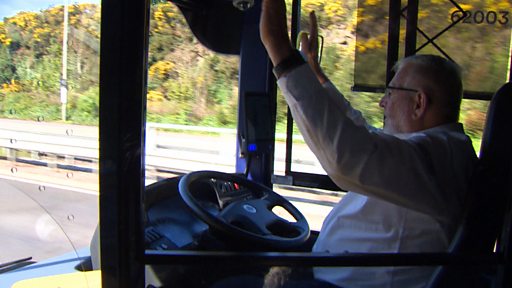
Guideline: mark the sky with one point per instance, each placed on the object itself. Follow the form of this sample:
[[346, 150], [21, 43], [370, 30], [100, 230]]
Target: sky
[[11, 7]]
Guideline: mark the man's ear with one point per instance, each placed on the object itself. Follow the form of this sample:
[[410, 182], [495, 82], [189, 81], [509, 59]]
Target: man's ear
[[421, 104]]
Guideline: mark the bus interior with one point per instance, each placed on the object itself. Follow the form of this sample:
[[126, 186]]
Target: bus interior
[[167, 227]]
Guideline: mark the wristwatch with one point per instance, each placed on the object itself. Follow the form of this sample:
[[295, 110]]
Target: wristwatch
[[289, 63]]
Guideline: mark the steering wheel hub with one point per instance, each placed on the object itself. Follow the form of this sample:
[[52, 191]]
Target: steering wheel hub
[[249, 208]]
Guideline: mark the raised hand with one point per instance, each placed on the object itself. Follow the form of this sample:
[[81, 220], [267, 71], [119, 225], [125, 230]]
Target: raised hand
[[309, 48]]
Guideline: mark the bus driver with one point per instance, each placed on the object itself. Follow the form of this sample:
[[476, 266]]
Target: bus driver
[[408, 182]]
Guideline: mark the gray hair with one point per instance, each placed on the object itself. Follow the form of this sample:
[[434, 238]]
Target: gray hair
[[445, 79]]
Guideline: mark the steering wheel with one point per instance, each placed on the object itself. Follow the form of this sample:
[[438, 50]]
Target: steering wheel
[[242, 208]]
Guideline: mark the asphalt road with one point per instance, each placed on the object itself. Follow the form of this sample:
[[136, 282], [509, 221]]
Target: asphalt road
[[44, 221]]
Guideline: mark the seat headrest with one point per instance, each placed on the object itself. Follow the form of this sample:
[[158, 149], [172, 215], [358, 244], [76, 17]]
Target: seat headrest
[[495, 141]]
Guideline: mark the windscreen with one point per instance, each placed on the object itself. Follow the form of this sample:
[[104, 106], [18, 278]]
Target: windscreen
[[49, 139], [355, 54]]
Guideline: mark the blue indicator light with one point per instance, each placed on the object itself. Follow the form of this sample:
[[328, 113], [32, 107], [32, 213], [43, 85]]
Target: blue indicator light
[[252, 147]]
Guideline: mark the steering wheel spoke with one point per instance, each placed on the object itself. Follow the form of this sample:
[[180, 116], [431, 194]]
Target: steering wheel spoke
[[249, 215]]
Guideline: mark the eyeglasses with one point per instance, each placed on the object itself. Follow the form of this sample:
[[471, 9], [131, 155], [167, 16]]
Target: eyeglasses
[[399, 88]]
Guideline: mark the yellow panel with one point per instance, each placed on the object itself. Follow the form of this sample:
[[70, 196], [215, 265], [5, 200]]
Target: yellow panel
[[90, 279]]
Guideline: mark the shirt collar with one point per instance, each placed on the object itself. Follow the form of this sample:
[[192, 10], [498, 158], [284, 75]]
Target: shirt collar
[[448, 127]]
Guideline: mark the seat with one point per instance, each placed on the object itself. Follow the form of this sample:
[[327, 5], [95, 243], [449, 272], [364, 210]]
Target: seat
[[487, 216]]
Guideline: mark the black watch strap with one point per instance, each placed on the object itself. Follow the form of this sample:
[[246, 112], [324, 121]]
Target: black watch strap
[[293, 61]]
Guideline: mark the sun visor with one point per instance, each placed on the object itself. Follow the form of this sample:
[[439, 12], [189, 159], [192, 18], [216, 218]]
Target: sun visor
[[216, 24]]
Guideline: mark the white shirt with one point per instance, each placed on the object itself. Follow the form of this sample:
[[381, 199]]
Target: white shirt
[[408, 189]]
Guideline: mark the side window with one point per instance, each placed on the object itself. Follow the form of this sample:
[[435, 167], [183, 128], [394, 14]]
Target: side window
[[358, 66], [337, 25]]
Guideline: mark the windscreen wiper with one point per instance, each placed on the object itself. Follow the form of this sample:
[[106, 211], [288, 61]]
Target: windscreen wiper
[[12, 265]]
